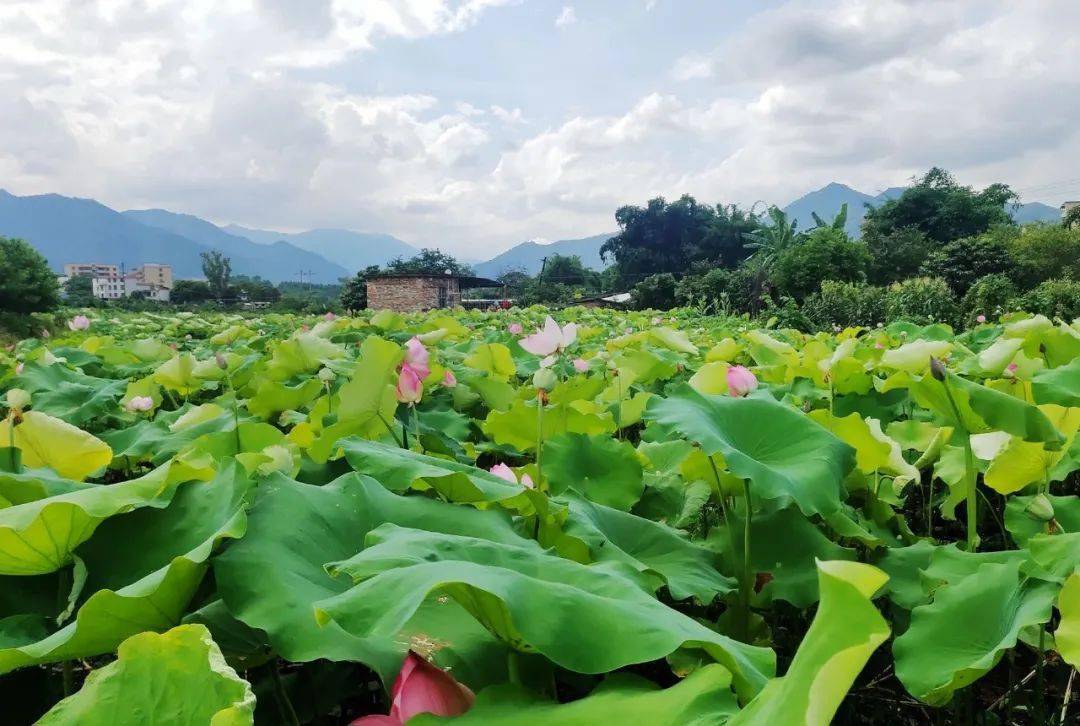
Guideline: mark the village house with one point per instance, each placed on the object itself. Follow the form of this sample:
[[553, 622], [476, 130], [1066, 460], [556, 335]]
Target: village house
[[415, 291]]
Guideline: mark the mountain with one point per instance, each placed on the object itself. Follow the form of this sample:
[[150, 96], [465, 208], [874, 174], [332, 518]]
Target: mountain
[[826, 202], [276, 262], [1036, 212], [352, 250], [529, 256]]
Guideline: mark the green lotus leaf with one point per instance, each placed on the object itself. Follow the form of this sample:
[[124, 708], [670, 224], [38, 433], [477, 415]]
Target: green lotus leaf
[[711, 378], [162, 438], [785, 455], [704, 697], [1054, 557], [587, 618], [178, 374], [846, 630], [272, 577], [271, 397], [496, 395], [70, 395], [1058, 385], [600, 468], [178, 677], [875, 452], [518, 425], [46, 441], [1067, 635], [494, 360], [963, 633], [676, 340], [1023, 526], [1020, 463], [914, 357], [302, 353], [905, 566]]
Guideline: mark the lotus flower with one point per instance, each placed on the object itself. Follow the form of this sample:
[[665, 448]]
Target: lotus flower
[[421, 687], [980, 318], [581, 365], [741, 382], [505, 472], [416, 357], [139, 403], [551, 339], [18, 399], [449, 379], [45, 333], [515, 329], [1010, 370], [79, 322], [410, 387], [329, 317]]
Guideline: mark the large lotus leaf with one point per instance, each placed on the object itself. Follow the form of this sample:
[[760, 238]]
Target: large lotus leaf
[[39, 535], [846, 630], [905, 566], [687, 569], [769, 351], [493, 359], [914, 357], [601, 468], [785, 455], [178, 374], [1067, 635], [704, 697], [46, 441], [160, 439], [178, 677], [949, 564], [587, 618], [875, 452], [711, 378], [964, 632], [399, 469], [70, 395], [644, 366], [1059, 385], [271, 578], [1023, 525], [496, 395], [1054, 557], [785, 545], [1020, 463], [271, 397], [302, 353], [519, 425], [676, 340], [143, 568]]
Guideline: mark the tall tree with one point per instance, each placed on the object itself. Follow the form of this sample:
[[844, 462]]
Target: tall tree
[[217, 268], [27, 285], [79, 291], [429, 260], [725, 238], [941, 209], [354, 291], [659, 237], [772, 239]]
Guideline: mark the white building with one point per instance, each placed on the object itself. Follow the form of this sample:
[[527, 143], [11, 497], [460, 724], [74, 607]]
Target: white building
[[107, 288]]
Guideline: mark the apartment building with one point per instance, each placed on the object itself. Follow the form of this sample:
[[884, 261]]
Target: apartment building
[[107, 288], [91, 269], [156, 281], [107, 282]]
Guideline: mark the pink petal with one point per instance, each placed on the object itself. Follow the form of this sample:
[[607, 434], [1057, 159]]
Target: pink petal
[[543, 342], [409, 387], [449, 379], [425, 688], [527, 482], [581, 365], [504, 472], [515, 329], [416, 355], [569, 335]]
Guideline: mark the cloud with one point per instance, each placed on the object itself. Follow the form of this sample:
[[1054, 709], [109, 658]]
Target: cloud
[[566, 16]]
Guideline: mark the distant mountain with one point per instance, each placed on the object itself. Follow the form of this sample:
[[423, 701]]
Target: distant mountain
[[1036, 212], [828, 200], [529, 256], [276, 262], [352, 250]]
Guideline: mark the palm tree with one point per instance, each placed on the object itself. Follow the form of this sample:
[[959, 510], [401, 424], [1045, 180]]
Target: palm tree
[[769, 241], [838, 221]]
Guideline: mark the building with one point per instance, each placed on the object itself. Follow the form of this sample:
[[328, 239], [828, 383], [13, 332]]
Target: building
[[618, 301], [107, 288], [414, 291], [91, 269], [156, 281]]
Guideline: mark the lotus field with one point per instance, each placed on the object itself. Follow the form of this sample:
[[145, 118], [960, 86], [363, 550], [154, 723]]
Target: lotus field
[[500, 518]]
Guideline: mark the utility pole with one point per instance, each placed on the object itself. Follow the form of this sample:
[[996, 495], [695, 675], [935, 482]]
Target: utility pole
[[540, 278]]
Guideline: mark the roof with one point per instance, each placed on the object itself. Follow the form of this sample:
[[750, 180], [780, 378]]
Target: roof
[[617, 298], [463, 280]]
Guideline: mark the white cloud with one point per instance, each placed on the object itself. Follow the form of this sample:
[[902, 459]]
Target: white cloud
[[566, 16]]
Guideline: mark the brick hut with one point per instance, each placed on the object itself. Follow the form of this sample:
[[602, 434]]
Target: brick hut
[[407, 292]]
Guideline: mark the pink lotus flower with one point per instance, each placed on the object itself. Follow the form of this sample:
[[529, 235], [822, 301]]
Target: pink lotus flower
[[656, 321], [329, 317], [139, 403], [416, 357], [741, 382], [1010, 370], [79, 322], [879, 346], [410, 387], [551, 339], [980, 318], [506, 473], [421, 687], [515, 329], [581, 365], [449, 379], [305, 328]]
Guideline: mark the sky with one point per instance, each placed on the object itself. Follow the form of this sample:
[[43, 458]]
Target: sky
[[472, 125]]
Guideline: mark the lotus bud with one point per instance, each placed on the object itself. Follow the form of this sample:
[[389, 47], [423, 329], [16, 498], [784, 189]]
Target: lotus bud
[[581, 365], [139, 404], [327, 376], [449, 379], [980, 318], [329, 317], [410, 388], [79, 322], [1041, 508], [741, 382], [937, 368], [18, 399], [545, 379], [416, 357], [221, 362], [515, 329]]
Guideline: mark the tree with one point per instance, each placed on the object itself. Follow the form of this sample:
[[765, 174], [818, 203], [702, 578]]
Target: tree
[[941, 209], [1045, 251], [354, 292], [658, 237], [27, 285], [826, 254], [1071, 220], [186, 292], [79, 291], [255, 288], [725, 241], [655, 292], [896, 255], [429, 260], [961, 262], [838, 221], [770, 240], [569, 270], [217, 268]]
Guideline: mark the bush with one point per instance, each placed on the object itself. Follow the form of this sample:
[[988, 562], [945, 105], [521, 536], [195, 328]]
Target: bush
[[733, 291], [656, 292], [846, 304], [27, 285], [990, 296], [961, 262], [1054, 299], [1044, 252], [921, 300], [827, 254]]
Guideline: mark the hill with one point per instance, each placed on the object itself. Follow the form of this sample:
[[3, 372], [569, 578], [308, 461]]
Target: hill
[[828, 200], [1036, 212], [529, 256], [352, 250]]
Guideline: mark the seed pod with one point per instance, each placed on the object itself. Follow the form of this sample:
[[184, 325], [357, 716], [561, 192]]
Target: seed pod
[[937, 368], [545, 379], [1041, 508], [18, 399]]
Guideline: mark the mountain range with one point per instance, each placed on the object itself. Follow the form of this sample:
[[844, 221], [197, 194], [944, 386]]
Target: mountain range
[[67, 229]]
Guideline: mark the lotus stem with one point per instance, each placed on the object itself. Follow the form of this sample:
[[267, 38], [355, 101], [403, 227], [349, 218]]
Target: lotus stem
[[540, 440], [971, 480], [389, 429], [11, 444], [747, 583], [63, 590], [1068, 697], [416, 426], [288, 713], [1040, 678]]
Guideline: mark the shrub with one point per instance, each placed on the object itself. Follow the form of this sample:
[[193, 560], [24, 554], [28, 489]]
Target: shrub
[[961, 262], [1054, 299], [27, 285], [990, 296], [896, 255], [921, 300], [846, 304], [655, 291], [736, 291], [1045, 251], [827, 254]]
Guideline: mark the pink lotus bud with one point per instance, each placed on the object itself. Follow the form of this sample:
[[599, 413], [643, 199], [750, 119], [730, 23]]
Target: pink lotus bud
[[329, 317], [581, 365], [416, 357], [1010, 370], [504, 472], [515, 329], [139, 403], [79, 322], [449, 379], [980, 318], [527, 482], [421, 687], [741, 382], [410, 387], [879, 346]]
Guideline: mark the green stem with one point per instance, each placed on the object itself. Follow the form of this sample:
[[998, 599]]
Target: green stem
[[287, 710], [1040, 693], [618, 409], [747, 584], [390, 430], [971, 479], [63, 590], [416, 427], [540, 441], [11, 443], [235, 414], [513, 667]]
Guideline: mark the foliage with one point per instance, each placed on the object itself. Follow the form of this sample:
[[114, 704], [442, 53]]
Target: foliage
[[921, 300], [774, 238], [990, 296], [1054, 299], [354, 291], [186, 292], [429, 260], [655, 292], [845, 304], [1044, 251], [941, 209], [895, 255], [79, 291], [254, 288], [826, 253], [568, 270], [961, 262], [217, 269], [27, 285]]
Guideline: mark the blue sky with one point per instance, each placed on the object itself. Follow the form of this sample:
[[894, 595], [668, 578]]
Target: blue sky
[[475, 124]]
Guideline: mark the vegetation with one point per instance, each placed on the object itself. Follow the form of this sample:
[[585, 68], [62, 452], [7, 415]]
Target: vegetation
[[217, 268]]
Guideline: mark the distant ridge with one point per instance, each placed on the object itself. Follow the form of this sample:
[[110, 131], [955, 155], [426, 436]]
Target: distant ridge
[[528, 256], [352, 250]]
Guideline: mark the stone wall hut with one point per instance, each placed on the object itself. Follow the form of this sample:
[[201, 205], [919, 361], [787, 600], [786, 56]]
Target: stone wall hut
[[407, 292]]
